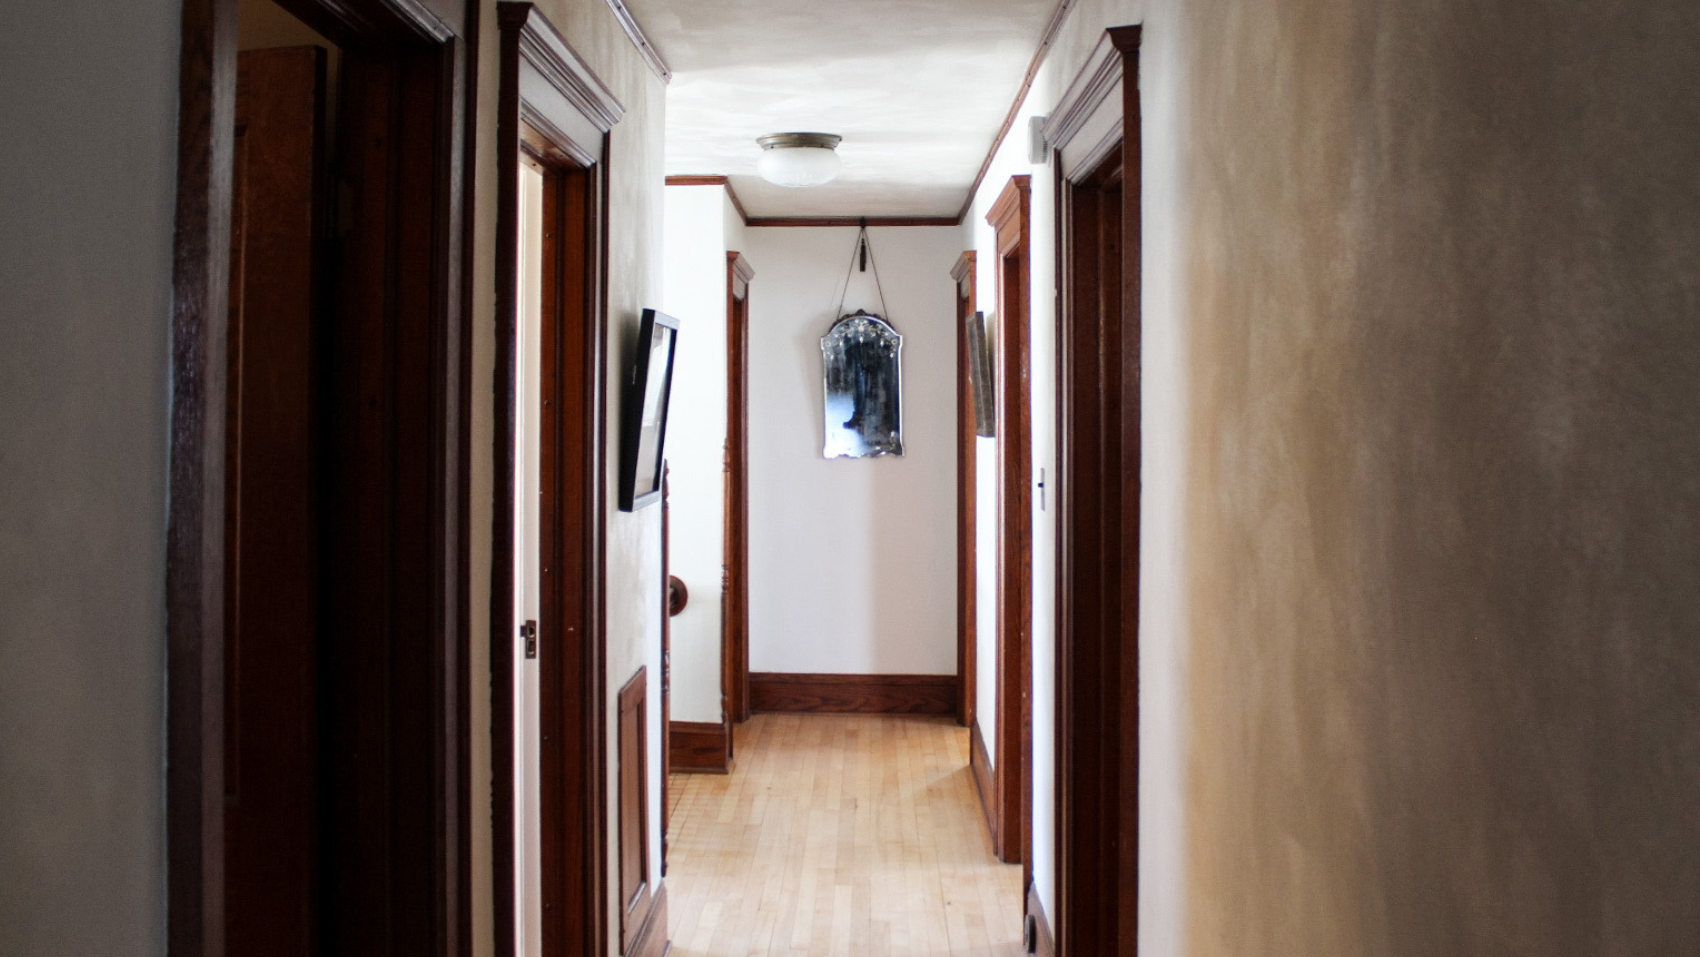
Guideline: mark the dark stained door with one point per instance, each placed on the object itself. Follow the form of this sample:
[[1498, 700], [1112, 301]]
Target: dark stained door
[[271, 599]]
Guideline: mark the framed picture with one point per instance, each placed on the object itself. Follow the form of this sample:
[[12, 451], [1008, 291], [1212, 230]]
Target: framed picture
[[643, 419], [980, 376]]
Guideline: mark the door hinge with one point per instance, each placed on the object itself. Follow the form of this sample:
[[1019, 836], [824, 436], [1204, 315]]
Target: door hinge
[[1030, 934], [528, 631]]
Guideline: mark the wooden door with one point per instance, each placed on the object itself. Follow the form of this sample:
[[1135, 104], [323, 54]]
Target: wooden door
[[271, 691]]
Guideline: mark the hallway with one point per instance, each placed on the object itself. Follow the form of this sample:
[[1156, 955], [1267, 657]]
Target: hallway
[[839, 835]]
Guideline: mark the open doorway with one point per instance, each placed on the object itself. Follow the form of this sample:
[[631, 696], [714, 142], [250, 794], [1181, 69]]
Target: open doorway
[[317, 800]]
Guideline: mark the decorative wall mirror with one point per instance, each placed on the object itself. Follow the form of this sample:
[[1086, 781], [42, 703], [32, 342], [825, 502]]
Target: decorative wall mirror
[[863, 359]]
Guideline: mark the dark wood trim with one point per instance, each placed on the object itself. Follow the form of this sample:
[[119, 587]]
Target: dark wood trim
[[195, 554], [1044, 942], [635, 33], [651, 939], [853, 694], [816, 221], [556, 114], [735, 560], [980, 765], [668, 593], [700, 747], [967, 600], [1058, 16], [1099, 462], [1009, 216], [407, 886], [726, 181], [963, 274], [638, 892]]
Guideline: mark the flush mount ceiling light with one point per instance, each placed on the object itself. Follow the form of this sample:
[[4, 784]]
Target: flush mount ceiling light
[[798, 159]]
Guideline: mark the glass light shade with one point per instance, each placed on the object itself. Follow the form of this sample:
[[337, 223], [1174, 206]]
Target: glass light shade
[[798, 159]]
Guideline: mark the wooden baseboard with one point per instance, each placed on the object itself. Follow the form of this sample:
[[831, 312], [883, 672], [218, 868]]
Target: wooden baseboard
[[700, 747], [980, 763], [854, 694], [1044, 942], [651, 938]]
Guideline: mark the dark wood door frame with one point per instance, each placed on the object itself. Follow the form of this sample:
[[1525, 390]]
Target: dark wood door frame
[[735, 575], [1011, 768], [963, 275], [396, 599], [555, 115], [1095, 132]]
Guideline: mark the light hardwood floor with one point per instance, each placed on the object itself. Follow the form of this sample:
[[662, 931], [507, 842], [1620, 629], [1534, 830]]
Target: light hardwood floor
[[839, 836]]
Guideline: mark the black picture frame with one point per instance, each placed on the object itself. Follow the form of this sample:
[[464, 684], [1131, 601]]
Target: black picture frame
[[643, 414], [981, 376]]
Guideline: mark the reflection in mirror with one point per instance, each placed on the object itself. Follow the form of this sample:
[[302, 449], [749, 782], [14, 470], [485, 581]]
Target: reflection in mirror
[[862, 355]]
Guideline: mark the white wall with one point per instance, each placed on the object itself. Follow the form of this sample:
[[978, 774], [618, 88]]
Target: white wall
[[1011, 160], [694, 292], [852, 561], [89, 154]]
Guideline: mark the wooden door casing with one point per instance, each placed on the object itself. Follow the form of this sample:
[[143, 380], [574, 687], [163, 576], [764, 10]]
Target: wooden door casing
[[554, 115], [735, 576], [967, 598], [1012, 764]]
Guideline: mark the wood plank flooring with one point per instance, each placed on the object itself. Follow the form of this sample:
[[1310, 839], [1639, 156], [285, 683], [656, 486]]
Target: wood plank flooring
[[839, 836]]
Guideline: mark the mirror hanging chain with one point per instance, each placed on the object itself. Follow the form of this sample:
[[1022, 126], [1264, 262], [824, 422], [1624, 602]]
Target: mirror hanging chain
[[864, 252]]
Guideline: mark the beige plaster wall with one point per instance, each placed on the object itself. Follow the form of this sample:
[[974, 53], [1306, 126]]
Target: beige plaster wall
[[634, 282], [1441, 263], [1418, 674]]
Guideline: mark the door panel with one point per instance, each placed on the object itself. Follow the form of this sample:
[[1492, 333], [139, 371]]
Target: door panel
[[271, 598]]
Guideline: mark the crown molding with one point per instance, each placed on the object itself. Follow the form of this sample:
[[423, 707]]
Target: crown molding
[[818, 221], [1058, 16], [645, 49], [725, 181]]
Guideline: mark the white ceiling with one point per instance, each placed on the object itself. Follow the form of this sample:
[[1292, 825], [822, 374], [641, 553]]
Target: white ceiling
[[917, 88]]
